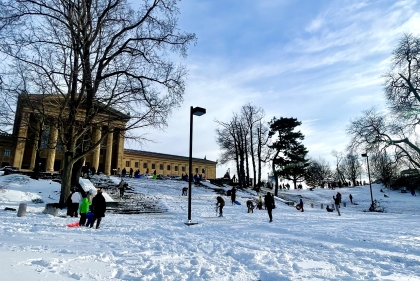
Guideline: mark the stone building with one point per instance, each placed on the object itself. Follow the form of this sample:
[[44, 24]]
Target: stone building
[[19, 149]]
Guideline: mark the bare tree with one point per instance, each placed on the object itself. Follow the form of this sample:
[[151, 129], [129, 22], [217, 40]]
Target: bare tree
[[95, 57], [338, 161], [263, 154], [374, 130], [351, 167], [397, 128], [383, 167], [317, 173], [253, 117]]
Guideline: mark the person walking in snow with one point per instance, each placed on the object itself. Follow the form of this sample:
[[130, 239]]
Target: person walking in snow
[[337, 204], [351, 198], [233, 195], [300, 205], [269, 205], [99, 208], [339, 197], [220, 203], [83, 210]]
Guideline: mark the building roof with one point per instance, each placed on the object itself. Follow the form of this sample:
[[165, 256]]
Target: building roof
[[102, 108], [155, 154]]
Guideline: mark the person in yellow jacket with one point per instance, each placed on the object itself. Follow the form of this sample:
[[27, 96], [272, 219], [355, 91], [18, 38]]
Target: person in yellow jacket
[[83, 210]]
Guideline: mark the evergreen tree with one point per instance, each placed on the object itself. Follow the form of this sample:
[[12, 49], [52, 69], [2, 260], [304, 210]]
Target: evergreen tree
[[289, 153]]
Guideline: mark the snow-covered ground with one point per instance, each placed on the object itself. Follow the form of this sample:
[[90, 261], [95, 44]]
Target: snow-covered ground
[[310, 245]]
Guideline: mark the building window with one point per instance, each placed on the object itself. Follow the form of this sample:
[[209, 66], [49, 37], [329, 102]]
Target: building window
[[127, 163], [203, 171], [136, 164], [196, 170], [160, 166], [183, 169], [176, 168], [145, 165], [168, 167], [153, 166], [7, 152]]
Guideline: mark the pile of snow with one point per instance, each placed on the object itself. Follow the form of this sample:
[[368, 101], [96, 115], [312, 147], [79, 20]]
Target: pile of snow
[[309, 245]]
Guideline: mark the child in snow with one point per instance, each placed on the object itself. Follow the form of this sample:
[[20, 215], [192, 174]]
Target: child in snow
[[83, 210], [89, 216], [250, 206], [260, 203]]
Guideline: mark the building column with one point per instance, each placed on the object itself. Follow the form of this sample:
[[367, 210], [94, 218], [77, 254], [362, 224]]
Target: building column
[[52, 144], [97, 150], [21, 141], [34, 149], [108, 154], [120, 149]]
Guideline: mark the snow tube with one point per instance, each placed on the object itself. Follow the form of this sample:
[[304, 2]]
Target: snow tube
[[237, 203], [298, 207]]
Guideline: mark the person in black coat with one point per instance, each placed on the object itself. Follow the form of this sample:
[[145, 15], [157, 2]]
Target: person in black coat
[[99, 208], [269, 205], [233, 195], [220, 204]]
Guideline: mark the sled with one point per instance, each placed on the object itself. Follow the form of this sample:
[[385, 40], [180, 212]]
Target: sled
[[298, 207], [237, 203], [73, 224]]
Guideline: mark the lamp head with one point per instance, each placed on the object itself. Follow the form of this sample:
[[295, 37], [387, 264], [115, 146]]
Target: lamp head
[[198, 111], [364, 155]]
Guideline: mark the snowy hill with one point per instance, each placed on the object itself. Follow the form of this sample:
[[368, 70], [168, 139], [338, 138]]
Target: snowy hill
[[310, 245]]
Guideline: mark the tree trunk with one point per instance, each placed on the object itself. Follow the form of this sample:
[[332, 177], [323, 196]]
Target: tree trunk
[[66, 178]]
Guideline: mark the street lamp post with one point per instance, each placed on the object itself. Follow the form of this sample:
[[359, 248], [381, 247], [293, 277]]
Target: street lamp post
[[198, 111], [372, 206]]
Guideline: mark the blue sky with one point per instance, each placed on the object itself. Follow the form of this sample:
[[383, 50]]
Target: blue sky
[[318, 61]]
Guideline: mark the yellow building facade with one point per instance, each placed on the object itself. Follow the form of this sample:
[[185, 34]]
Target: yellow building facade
[[166, 164], [19, 150]]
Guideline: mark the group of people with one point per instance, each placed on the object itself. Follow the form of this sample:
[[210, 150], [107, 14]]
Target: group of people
[[197, 178], [268, 202], [86, 172], [94, 210], [123, 173]]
